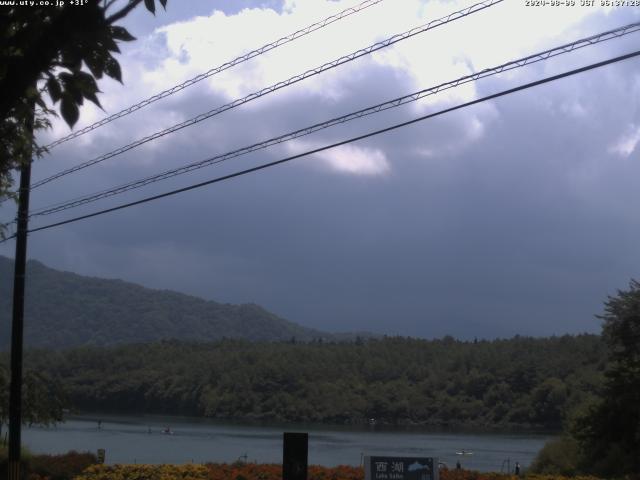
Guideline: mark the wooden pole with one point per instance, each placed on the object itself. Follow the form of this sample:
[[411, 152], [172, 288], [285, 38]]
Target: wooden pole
[[17, 325]]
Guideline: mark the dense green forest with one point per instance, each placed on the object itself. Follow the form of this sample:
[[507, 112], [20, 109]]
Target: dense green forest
[[518, 382], [66, 310]]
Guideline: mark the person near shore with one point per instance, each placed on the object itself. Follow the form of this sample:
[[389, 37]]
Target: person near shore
[[458, 466], [516, 469]]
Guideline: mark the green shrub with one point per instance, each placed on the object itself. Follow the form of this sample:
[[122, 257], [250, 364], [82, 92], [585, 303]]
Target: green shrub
[[4, 453], [51, 467], [559, 456], [61, 467], [4, 459]]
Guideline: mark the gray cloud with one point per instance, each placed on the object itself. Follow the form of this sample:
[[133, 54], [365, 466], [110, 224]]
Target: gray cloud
[[522, 227]]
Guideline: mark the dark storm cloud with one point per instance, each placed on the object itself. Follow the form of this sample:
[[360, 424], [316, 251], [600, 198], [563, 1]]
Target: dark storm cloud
[[511, 217]]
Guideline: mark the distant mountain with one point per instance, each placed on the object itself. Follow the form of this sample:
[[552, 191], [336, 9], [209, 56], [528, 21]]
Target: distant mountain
[[64, 309]]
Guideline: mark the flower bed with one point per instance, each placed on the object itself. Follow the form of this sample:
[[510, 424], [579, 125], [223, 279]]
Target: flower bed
[[144, 472], [252, 471]]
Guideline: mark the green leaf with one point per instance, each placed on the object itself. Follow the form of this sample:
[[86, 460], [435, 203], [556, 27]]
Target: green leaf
[[87, 85], [69, 110], [121, 33], [40, 102], [72, 87], [111, 45], [31, 93], [92, 97], [85, 81], [96, 63], [151, 5], [71, 59], [54, 89], [112, 68], [66, 77]]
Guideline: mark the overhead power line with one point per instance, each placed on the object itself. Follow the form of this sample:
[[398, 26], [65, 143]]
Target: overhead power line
[[225, 66], [531, 59], [309, 73], [344, 142]]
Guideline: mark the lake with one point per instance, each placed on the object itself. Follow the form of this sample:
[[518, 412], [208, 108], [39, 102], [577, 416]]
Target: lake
[[140, 439]]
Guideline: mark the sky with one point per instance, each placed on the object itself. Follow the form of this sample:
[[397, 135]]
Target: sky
[[513, 216]]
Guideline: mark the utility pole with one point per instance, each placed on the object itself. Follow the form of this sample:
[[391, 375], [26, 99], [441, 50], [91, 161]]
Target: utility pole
[[17, 325]]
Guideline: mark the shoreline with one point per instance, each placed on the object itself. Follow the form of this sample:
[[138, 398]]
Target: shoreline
[[379, 425]]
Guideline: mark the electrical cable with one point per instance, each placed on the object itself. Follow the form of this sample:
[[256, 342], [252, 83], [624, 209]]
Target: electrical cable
[[344, 142], [309, 73], [531, 59], [225, 66]]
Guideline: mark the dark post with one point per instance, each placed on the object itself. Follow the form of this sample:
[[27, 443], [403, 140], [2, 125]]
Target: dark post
[[294, 456], [15, 392]]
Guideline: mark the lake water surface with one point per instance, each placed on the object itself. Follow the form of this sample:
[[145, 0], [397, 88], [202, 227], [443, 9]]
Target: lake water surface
[[139, 439]]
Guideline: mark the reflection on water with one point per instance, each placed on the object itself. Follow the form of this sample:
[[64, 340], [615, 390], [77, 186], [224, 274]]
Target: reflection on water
[[140, 439]]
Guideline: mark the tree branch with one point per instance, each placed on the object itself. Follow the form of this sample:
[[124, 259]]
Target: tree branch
[[123, 12], [107, 4]]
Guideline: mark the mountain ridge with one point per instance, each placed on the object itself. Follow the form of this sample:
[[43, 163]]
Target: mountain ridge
[[72, 310]]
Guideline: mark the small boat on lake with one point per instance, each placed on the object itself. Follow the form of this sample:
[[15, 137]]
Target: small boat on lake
[[464, 452]]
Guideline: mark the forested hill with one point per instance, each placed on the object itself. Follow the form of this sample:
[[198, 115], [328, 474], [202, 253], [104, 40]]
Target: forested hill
[[516, 382], [67, 310]]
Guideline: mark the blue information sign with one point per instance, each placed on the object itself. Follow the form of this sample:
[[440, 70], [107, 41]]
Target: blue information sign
[[400, 468]]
